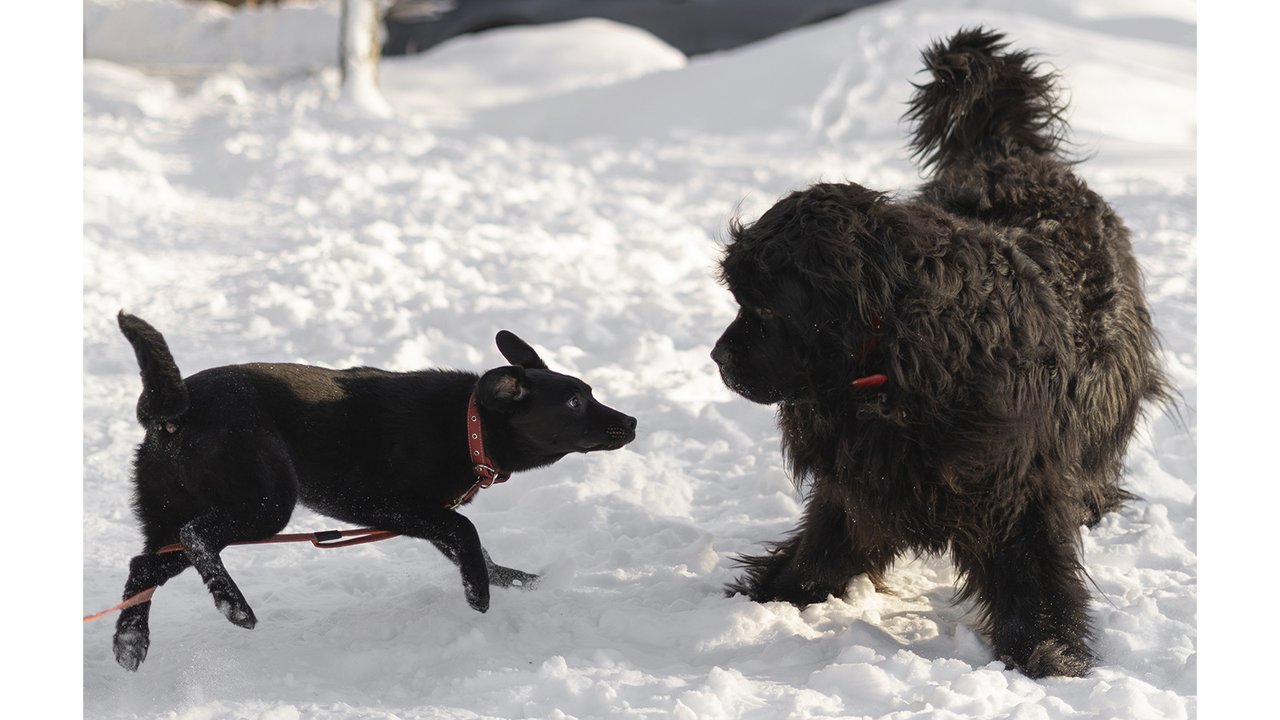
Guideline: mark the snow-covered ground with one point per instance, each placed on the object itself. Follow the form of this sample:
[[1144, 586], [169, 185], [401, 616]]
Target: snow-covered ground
[[532, 181]]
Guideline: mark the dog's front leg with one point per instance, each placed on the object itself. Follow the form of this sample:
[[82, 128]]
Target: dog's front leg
[[502, 576], [455, 536], [818, 559]]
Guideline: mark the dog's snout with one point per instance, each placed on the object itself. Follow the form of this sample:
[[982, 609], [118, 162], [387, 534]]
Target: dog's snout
[[623, 426], [621, 430]]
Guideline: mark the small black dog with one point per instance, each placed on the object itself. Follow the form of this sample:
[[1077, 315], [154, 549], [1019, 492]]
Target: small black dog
[[958, 371], [230, 450]]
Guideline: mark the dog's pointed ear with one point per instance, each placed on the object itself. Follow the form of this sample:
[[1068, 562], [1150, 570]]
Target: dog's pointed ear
[[518, 352], [502, 388]]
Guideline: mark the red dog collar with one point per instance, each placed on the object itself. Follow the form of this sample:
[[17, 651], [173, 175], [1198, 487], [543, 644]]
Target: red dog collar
[[869, 346], [486, 471], [870, 381]]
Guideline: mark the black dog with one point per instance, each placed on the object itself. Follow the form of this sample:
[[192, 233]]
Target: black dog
[[958, 371], [230, 450]]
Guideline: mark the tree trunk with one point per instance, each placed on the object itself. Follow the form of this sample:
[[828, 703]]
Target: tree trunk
[[360, 48]]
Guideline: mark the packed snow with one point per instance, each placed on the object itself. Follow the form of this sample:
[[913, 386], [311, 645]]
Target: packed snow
[[579, 197]]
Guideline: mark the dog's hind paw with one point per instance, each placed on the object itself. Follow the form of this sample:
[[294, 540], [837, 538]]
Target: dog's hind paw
[[130, 647]]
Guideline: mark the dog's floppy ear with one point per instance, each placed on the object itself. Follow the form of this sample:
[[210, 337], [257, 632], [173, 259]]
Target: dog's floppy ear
[[518, 352], [502, 388]]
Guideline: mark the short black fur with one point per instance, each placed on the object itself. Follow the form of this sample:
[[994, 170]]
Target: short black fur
[[229, 451], [1005, 306]]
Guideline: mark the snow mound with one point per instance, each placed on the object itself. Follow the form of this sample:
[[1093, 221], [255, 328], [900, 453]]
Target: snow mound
[[847, 79], [446, 84], [518, 64]]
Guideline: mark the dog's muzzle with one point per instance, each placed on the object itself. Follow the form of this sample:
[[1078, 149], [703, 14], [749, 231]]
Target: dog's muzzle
[[621, 433], [624, 433]]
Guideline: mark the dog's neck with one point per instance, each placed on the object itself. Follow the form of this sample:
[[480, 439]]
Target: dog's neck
[[503, 445]]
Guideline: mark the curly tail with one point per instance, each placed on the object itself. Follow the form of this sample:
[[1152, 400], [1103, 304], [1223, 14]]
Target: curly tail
[[164, 393], [983, 101]]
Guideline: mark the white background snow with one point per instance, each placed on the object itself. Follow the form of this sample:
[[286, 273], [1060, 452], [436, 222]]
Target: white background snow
[[571, 183]]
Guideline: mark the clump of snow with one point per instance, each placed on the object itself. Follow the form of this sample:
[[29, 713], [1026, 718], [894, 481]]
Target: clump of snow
[[248, 220]]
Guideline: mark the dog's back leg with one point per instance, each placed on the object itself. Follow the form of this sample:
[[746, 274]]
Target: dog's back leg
[[133, 631], [252, 487], [1031, 590]]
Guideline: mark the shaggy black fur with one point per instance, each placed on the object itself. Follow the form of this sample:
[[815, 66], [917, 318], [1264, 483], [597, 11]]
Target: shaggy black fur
[[229, 451], [1005, 306]]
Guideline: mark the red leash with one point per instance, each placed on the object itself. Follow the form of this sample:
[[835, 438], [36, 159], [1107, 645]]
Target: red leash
[[326, 539], [323, 539], [138, 599]]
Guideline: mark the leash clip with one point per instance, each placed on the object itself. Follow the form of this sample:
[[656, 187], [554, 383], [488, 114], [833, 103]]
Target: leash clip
[[487, 474]]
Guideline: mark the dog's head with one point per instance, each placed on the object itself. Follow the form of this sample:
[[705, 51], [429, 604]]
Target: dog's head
[[548, 414], [812, 281]]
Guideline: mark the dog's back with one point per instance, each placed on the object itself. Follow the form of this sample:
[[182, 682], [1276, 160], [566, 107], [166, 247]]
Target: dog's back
[[343, 439], [990, 128], [355, 437]]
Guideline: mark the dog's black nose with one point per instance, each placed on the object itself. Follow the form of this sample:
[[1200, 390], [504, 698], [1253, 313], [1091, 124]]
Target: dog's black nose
[[629, 423], [720, 355]]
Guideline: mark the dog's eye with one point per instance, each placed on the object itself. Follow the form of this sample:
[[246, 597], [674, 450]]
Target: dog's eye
[[575, 402]]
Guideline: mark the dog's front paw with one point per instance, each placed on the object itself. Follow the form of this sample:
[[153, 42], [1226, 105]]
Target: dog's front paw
[[500, 576], [799, 594], [1053, 657], [525, 581], [130, 645], [776, 577]]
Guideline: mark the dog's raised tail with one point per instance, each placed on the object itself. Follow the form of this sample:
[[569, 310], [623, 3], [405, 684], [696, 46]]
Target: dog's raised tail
[[983, 100], [164, 393]]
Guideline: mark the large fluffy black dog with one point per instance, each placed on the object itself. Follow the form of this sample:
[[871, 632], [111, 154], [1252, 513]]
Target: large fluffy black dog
[[230, 450], [961, 370]]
